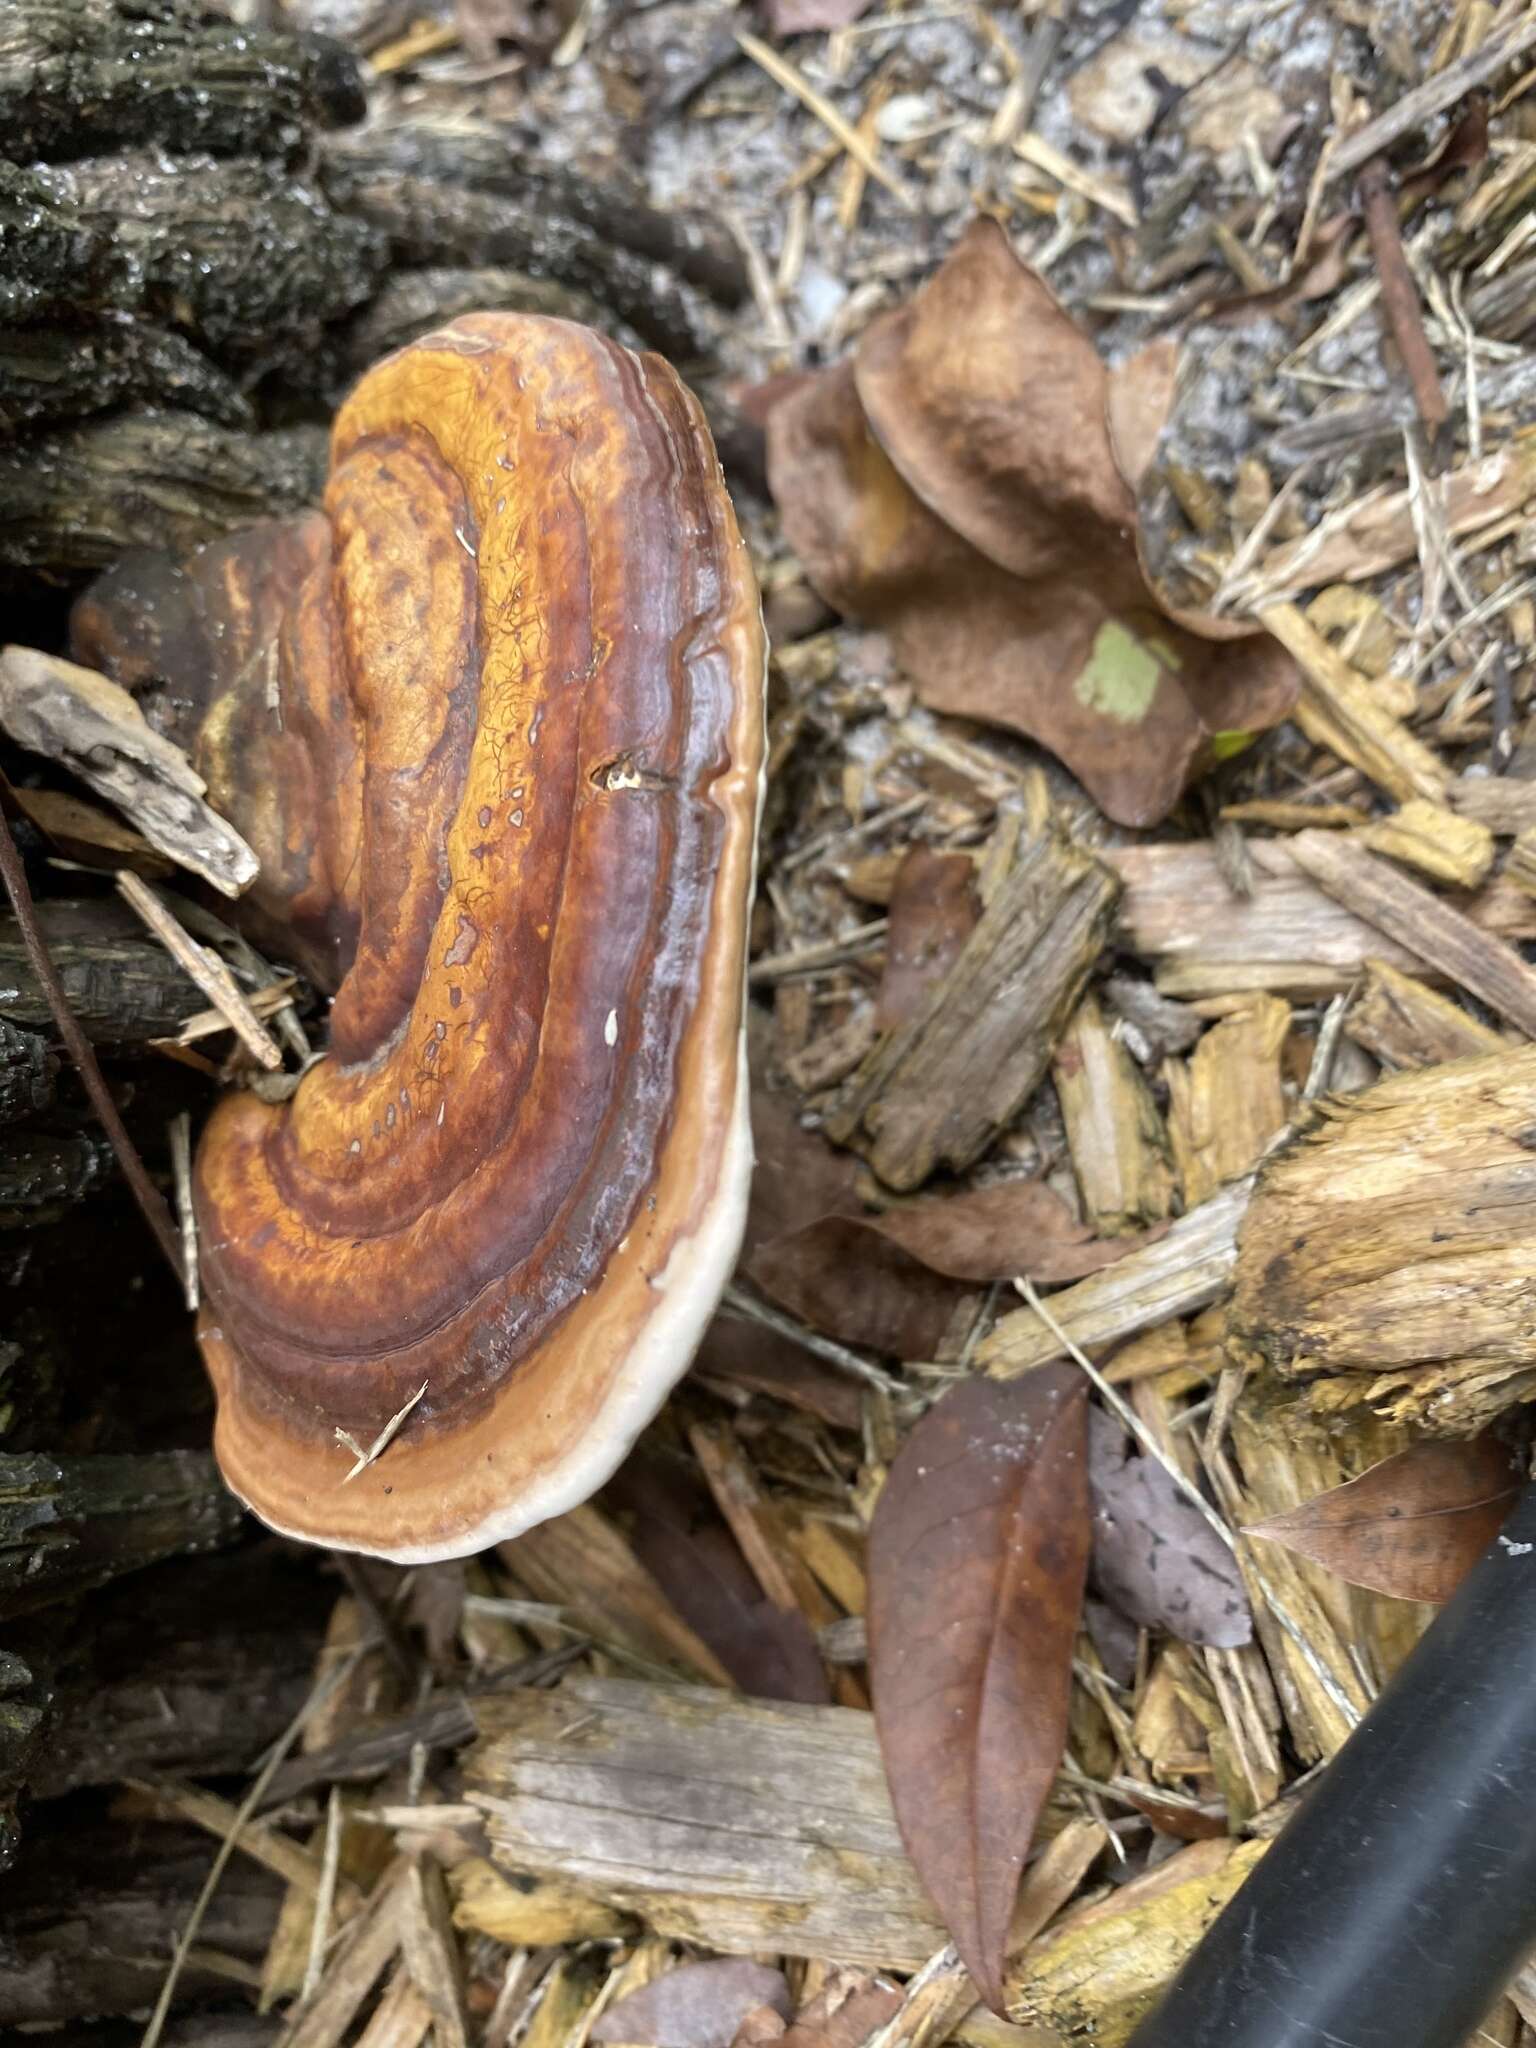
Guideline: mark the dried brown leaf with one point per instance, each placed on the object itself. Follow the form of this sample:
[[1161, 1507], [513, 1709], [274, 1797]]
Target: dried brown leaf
[[933, 911], [842, 2015], [1412, 1526], [846, 1278], [697, 2005], [996, 1233], [957, 485], [683, 1541], [978, 1552], [1155, 1557]]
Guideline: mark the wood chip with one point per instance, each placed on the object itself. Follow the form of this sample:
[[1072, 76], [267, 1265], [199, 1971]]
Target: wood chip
[[1422, 923], [936, 1090], [1403, 1023], [1185, 1270], [205, 968], [95, 729], [1448, 848], [772, 1831], [1338, 709]]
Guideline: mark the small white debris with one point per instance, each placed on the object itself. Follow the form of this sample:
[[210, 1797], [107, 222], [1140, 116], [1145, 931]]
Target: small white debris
[[1517, 1549], [381, 1442], [611, 1029]]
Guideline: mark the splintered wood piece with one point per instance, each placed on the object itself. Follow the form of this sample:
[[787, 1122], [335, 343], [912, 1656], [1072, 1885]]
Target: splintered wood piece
[[1338, 709], [1103, 1967], [1115, 1134], [936, 1090], [95, 729], [583, 1560], [356, 1965], [401, 2019], [1288, 937], [1437, 934], [205, 968], [1391, 1249], [1380, 529], [1505, 804], [1520, 868], [744, 1826], [532, 1913], [1227, 1103], [1183, 1271], [1404, 1024], [1442, 844], [431, 1953], [567, 2000]]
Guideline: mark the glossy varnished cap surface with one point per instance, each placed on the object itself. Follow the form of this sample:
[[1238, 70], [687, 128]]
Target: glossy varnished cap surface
[[494, 723]]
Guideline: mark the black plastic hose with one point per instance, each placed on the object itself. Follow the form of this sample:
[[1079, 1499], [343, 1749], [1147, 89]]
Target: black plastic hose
[[1401, 1898]]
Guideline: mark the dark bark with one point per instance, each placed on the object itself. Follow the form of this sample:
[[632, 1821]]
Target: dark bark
[[41, 1174], [93, 1911], [68, 1524], [27, 1072], [122, 986], [188, 1669], [247, 260], [78, 498], [59, 373], [84, 75], [691, 245]]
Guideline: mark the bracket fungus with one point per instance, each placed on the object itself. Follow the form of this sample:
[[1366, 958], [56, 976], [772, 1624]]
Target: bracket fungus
[[493, 722]]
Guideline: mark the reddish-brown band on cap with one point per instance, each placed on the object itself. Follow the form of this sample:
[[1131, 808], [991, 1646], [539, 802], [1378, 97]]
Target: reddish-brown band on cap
[[494, 723]]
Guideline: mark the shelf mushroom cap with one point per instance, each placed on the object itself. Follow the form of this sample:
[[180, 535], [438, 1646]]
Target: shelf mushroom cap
[[493, 721]]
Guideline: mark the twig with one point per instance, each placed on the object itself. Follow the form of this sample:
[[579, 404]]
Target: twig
[[382, 1441], [209, 972], [785, 74], [325, 1897], [1127, 1414], [1443, 90], [745, 1307], [822, 953], [152, 1204], [181, 1168], [1399, 293]]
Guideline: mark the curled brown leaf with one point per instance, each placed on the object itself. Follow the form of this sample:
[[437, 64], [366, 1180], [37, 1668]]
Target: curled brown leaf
[[957, 484], [978, 1552]]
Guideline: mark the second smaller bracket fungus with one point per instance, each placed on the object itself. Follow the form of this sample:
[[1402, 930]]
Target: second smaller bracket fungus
[[493, 722]]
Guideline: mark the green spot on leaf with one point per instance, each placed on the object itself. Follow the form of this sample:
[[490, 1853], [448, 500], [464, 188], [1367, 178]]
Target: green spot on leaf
[[1121, 675]]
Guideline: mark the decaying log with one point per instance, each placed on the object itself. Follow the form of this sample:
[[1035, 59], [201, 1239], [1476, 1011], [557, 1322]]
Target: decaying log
[[70, 1523], [1388, 1253], [1289, 936], [1183, 1271], [242, 257], [92, 1914], [63, 373], [122, 987], [1403, 1023], [743, 1826], [80, 497], [190, 1667], [82, 75], [937, 1089], [27, 1072], [43, 1173], [477, 159]]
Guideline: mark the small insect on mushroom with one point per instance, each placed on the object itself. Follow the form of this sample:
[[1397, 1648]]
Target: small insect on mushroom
[[519, 1178]]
